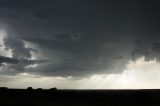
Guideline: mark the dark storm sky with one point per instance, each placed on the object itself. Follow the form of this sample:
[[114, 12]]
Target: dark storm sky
[[81, 37]]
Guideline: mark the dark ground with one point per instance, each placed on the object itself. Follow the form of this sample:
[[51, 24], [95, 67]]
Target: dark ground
[[53, 97]]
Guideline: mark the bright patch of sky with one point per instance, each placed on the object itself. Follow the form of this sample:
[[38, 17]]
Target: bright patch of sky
[[139, 74], [3, 51]]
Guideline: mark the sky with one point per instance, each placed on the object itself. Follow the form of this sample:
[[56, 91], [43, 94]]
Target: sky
[[80, 44]]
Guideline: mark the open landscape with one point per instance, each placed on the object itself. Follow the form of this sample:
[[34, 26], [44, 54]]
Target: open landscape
[[94, 52], [57, 97]]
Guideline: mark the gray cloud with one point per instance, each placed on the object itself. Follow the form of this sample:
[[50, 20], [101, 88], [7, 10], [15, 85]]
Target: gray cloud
[[82, 38], [11, 67], [17, 46], [18, 63], [8, 60]]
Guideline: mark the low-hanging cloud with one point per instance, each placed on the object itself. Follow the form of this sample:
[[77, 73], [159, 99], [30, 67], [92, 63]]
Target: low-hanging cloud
[[82, 38], [8, 60]]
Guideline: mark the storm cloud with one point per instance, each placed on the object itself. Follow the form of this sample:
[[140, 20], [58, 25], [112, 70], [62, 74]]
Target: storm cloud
[[82, 38], [17, 46]]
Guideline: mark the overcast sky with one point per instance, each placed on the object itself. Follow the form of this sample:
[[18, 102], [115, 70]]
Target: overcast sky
[[70, 42]]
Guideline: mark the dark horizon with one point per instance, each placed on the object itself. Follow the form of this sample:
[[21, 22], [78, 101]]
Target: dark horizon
[[78, 97]]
